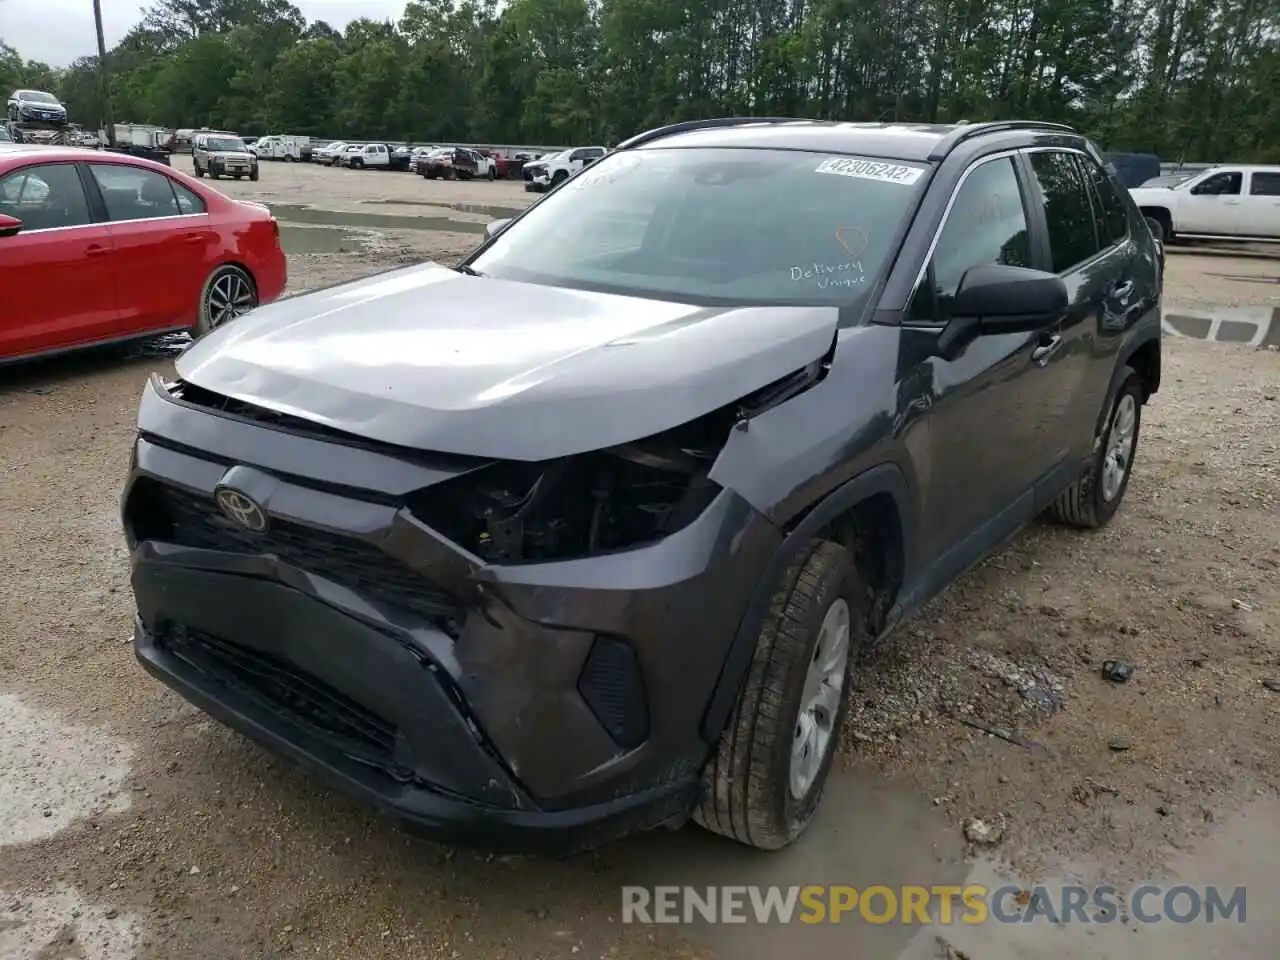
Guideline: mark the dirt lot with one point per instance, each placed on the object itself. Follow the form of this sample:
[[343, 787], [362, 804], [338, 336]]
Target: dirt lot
[[132, 826]]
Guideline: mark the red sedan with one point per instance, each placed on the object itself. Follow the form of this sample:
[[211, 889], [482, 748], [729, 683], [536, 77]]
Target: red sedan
[[100, 247]]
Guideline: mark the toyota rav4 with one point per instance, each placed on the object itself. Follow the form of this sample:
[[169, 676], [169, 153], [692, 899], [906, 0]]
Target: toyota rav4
[[585, 535]]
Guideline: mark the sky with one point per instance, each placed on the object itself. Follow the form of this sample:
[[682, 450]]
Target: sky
[[58, 31]]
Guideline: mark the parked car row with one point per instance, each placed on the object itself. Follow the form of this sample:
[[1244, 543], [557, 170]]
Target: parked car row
[[434, 162]]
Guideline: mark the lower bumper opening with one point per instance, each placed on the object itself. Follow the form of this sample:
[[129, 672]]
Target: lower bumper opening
[[277, 685]]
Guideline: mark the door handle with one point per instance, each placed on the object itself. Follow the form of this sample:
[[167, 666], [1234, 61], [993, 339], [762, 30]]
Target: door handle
[[95, 250], [193, 237], [1041, 354], [1122, 290]]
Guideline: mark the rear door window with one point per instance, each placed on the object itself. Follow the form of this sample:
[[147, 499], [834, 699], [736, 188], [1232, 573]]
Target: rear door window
[[132, 193], [1068, 211], [1264, 184], [1112, 214]]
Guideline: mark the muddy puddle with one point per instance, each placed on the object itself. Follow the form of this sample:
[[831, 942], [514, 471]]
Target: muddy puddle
[[297, 213], [320, 239], [484, 209]]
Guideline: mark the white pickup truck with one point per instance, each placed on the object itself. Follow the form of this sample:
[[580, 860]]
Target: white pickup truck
[[551, 171], [1241, 202], [362, 156]]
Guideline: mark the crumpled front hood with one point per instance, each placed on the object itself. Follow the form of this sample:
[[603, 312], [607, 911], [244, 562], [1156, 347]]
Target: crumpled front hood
[[429, 358]]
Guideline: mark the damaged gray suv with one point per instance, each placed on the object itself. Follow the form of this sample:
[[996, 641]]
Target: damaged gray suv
[[585, 536]]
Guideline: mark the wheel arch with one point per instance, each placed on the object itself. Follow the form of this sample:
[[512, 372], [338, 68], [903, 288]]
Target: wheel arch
[[1142, 357], [872, 515], [1157, 212]]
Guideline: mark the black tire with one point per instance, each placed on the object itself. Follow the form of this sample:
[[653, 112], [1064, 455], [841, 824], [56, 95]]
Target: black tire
[[748, 794], [493, 173], [239, 176], [231, 275], [254, 176], [199, 172], [213, 174], [1093, 500], [559, 177], [1160, 224], [289, 158]]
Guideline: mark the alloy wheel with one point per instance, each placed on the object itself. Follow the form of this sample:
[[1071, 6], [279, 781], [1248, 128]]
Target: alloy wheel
[[1120, 442], [230, 296], [815, 732]]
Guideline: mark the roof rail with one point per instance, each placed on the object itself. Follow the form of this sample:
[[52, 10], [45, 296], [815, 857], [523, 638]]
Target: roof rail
[[967, 131], [640, 139]]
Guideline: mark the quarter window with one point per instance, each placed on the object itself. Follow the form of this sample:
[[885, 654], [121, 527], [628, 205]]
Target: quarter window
[[188, 202], [1113, 215], [132, 193], [987, 224], [1067, 209], [1264, 185], [45, 196]]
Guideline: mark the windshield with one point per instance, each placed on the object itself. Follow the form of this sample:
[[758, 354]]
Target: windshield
[[37, 96], [730, 226], [4, 135], [226, 144]]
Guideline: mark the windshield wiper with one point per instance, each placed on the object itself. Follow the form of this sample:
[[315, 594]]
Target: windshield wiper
[[469, 271]]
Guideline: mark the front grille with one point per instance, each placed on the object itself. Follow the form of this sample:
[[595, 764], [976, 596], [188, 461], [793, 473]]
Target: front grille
[[193, 520], [281, 686]]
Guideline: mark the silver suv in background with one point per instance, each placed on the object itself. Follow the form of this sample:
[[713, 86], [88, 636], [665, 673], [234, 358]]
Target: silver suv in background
[[223, 155]]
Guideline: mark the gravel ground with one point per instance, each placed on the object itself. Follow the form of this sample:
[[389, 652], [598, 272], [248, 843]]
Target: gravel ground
[[132, 826]]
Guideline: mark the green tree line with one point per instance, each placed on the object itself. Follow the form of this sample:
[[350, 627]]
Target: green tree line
[[1188, 79]]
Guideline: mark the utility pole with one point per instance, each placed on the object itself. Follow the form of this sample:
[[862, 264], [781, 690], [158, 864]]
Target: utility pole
[[109, 127]]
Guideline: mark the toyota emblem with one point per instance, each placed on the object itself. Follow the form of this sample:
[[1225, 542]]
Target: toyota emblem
[[241, 509]]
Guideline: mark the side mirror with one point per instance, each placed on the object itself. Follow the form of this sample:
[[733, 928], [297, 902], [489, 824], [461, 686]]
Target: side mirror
[[9, 226], [495, 227], [995, 299]]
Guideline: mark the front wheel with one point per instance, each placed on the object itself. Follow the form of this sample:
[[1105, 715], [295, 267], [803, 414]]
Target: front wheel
[[199, 172], [1093, 500], [228, 293], [254, 175], [560, 177], [763, 784], [357, 164]]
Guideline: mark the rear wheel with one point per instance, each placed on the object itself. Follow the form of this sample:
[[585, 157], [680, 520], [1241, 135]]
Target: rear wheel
[[228, 293], [763, 784], [357, 164], [199, 172], [253, 175], [493, 173], [1093, 500]]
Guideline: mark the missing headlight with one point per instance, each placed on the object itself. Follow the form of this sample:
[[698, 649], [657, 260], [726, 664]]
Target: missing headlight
[[561, 509], [592, 503]]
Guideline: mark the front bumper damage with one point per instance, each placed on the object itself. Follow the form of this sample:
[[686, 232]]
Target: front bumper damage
[[547, 706]]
